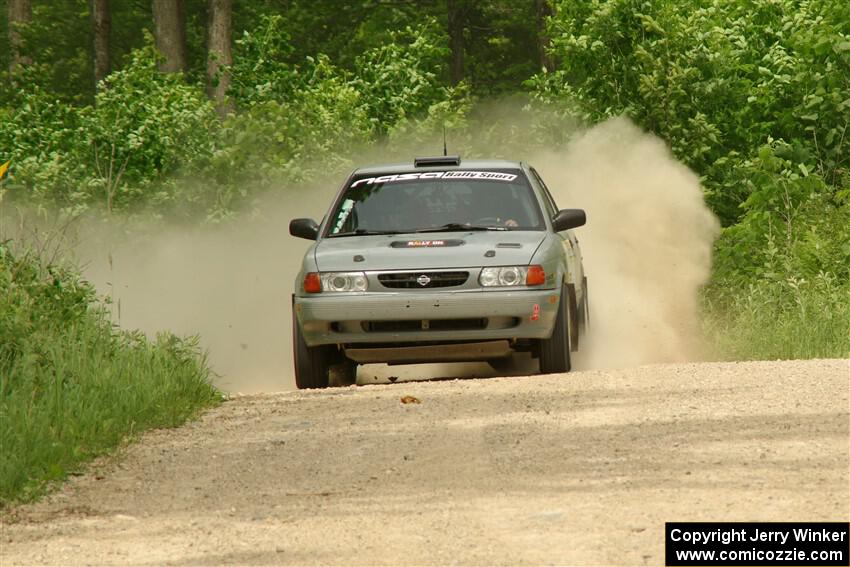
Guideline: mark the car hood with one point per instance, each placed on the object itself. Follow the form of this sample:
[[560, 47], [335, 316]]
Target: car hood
[[432, 250]]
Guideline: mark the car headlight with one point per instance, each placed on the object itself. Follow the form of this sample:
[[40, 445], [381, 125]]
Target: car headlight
[[343, 281], [506, 276]]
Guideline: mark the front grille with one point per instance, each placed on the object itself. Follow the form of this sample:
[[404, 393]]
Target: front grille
[[415, 325], [423, 280]]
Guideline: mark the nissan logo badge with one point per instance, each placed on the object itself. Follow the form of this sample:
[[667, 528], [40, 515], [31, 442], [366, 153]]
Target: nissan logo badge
[[423, 280]]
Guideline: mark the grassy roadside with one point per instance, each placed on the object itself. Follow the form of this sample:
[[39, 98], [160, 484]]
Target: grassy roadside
[[771, 320], [71, 385]]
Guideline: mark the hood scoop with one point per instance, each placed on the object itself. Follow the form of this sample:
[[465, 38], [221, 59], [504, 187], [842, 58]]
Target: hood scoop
[[425, 243]]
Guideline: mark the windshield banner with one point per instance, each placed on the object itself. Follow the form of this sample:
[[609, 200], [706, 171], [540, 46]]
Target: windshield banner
[[396, 177]]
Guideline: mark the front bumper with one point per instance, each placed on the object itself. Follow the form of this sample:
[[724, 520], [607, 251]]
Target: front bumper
[[427, 316]]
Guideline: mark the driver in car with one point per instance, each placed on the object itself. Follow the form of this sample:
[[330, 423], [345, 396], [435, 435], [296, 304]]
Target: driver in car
[[469, 212]]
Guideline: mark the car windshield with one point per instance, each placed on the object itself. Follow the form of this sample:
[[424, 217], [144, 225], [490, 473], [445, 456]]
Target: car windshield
[[493, 199]]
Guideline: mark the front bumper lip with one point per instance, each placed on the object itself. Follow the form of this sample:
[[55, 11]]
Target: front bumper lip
[[318, 315]]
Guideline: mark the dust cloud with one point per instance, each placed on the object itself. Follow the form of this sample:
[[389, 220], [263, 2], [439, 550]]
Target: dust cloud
[[647, 243], [230, 284], [647, 250]]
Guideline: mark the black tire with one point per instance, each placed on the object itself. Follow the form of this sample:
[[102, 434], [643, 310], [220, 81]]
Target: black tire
[[574, 317], [312, 364], [584, 314], [555, 351], [343, 372]]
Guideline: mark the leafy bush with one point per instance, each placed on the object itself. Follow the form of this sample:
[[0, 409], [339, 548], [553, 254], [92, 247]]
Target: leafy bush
[[39, 134], [72, 386], [402, 78], [409, 135], [144, 126], [64, 60], [262, 70], [275, 142], [715, 79], [793, 225], [781, 287]]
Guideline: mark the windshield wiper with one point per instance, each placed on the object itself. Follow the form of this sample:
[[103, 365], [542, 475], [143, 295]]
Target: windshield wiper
[[367, 232], [460, 227]]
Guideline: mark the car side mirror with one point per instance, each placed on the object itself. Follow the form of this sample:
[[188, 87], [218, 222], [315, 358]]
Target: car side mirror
[[304, 228], [568, 218]]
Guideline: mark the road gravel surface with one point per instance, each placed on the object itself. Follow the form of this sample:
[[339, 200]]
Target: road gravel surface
[[575, 469]]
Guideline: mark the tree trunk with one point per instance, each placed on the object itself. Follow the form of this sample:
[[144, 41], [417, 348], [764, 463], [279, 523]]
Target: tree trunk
[[100, 25], [219, 53], [169, 18], [544, 10], [456, 25], [20, 14]]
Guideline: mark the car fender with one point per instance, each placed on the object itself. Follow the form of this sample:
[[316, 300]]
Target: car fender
[[550, 254], [560, 257], [308, 264]]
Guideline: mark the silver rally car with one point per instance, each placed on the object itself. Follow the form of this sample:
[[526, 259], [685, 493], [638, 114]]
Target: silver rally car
[[441, 260]]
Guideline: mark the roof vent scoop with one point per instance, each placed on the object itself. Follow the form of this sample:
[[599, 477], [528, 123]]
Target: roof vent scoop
[[436, 161]]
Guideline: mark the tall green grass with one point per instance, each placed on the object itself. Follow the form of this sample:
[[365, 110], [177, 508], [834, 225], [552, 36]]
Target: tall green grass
[[72, 386], [791, 319]]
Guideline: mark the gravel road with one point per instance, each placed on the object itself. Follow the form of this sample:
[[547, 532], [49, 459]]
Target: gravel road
[[578, 469]]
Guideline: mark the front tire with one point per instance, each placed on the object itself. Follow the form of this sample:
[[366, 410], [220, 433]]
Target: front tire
[[584, 313], [312, 364], [343, 373], [573, 316], [555, 351]]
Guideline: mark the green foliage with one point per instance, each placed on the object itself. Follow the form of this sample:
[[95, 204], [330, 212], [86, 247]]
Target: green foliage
[[72, 386], [152, 141], [715, 79], [500, 45], [780, 319], [781, 286], [793, 225], [65, 66], [401, 78], [39, 133], [343, 29], [262, 68], [409, 135], [396, 80], [144, 126], [275, 141]]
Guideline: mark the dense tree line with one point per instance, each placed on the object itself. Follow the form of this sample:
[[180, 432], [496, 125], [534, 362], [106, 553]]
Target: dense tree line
[[494, 45]]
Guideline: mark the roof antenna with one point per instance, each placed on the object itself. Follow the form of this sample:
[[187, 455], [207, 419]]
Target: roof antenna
[[445, 151]]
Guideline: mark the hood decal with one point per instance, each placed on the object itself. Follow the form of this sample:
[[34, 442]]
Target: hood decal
[[425, 243]]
